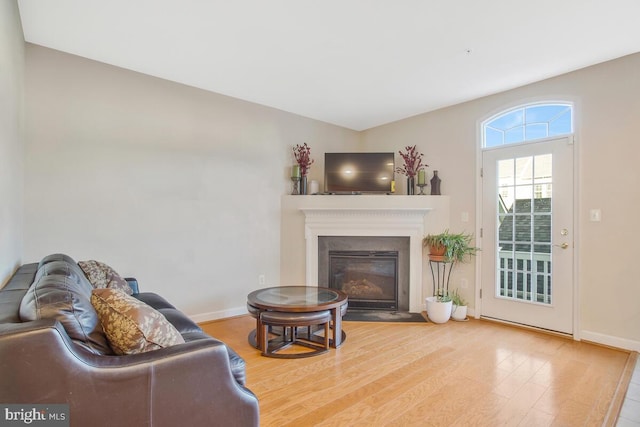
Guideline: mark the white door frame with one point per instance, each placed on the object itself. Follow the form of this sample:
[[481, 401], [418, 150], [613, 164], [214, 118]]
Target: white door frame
[[576, 211]]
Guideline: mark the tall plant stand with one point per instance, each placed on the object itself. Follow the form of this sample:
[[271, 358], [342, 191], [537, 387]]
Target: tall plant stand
[[440, 273]]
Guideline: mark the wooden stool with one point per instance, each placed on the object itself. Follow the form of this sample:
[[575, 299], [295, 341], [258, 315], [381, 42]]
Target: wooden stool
[[290, 323]]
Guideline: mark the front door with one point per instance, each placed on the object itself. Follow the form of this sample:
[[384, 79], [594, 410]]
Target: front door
[[527, 228]]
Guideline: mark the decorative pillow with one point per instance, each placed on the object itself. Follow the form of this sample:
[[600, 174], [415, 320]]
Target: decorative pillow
[[102, 276], [130, 325]]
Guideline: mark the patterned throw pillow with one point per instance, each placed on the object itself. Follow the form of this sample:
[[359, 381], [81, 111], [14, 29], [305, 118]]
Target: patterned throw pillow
[[102, 276], [130, 325]]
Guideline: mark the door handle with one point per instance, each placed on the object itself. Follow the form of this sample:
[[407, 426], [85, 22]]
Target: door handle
[[564, 245]]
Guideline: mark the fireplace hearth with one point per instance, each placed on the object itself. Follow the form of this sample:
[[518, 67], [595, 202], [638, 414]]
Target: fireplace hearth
[[369, 278]]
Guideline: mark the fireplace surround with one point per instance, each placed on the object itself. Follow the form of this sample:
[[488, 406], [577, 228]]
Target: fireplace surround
[[368, 222], [306, 218]]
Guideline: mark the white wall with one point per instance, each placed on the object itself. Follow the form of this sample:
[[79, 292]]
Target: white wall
[[177, 186], [607, 98], [11, 152]]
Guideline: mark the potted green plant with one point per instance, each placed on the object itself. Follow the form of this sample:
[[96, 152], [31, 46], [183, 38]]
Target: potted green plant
[[450, 247], [459, 309], [439, 307]]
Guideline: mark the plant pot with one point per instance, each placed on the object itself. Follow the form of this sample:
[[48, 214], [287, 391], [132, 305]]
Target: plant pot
[[459, 312], [436, 253], [438, 312]]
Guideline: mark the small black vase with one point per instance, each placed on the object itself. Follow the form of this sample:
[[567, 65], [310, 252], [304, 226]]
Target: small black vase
[[435, 184], [303, 185], [411, 187]]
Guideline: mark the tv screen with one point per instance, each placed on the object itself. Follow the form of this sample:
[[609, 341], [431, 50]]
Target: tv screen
[[348, 173]]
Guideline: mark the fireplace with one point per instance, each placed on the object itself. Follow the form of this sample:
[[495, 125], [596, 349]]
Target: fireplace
[[369, 278], [372, 270]]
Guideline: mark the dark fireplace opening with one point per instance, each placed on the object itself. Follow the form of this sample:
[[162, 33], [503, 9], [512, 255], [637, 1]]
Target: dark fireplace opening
[[369, 278]]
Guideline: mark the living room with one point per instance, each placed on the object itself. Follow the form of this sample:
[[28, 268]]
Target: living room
[[182, 187]]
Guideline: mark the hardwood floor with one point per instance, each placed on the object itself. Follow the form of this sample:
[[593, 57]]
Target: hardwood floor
[[475, 373]]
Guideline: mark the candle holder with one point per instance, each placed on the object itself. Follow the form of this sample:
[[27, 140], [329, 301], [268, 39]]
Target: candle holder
[[296, 182], [422, 193]]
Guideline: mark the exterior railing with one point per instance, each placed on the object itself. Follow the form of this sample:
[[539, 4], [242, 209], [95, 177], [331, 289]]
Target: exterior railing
[[525, 276]]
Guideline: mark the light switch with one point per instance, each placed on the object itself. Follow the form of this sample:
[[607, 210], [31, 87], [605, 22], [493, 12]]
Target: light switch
[[595, 215], [464, 217]]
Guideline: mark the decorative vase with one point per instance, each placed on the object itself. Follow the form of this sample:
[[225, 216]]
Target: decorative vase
[[435, 184], [437, 311], [411, 187], [303, 185]]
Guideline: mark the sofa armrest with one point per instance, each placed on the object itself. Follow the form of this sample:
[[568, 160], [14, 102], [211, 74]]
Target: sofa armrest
[[186, 384], [133, 284]]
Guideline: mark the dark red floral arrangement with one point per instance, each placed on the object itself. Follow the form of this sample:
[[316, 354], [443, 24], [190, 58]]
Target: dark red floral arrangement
[[412, 162], [302, 153]]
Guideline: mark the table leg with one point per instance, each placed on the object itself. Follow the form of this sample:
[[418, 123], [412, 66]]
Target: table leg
[[259, 332], [336, 316]]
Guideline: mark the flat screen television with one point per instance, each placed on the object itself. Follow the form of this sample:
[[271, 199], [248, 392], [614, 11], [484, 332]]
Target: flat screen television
[[352, 173]]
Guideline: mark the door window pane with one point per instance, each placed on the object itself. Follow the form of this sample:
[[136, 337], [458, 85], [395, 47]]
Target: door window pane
[[524, 171], [524, 228]]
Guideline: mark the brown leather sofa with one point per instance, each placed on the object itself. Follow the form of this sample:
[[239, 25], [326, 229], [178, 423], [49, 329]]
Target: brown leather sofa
[[198, 383]]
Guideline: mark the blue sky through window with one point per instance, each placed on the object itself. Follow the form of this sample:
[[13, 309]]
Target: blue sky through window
[[529, 123]]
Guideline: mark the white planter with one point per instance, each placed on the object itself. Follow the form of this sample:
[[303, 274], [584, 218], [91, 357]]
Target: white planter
[[459, 312], [438, 312]]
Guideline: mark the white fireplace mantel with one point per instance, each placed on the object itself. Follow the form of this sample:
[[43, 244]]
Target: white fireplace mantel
[[365, 215]]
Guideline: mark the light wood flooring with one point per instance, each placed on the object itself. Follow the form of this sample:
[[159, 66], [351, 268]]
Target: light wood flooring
[[474, 373]]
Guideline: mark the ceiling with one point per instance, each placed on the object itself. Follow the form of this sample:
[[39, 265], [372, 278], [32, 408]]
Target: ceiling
[[353, 63]]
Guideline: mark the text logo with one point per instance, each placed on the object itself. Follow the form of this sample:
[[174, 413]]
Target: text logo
[[43, 415]]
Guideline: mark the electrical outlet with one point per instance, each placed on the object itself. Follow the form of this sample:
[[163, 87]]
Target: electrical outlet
[[595, 215], [261, 279], [464, 283]]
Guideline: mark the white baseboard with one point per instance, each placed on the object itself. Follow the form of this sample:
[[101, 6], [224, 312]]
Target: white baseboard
[[215, 315], [602, 339], [610, 341]]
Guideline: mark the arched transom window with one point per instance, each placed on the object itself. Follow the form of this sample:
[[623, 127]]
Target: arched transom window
[[528, 123]]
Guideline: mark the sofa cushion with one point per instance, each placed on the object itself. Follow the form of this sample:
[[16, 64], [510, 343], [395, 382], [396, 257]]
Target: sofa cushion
[[179, 320], [13, 292], [64, 268], [131, 325], [154, 300], [102, 276], [238, 366], [68, 301], [56, 257], [10, 300], [236, 363], [22, 278]]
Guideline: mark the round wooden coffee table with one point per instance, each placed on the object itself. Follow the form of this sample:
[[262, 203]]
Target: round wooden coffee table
[[299, 299]]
